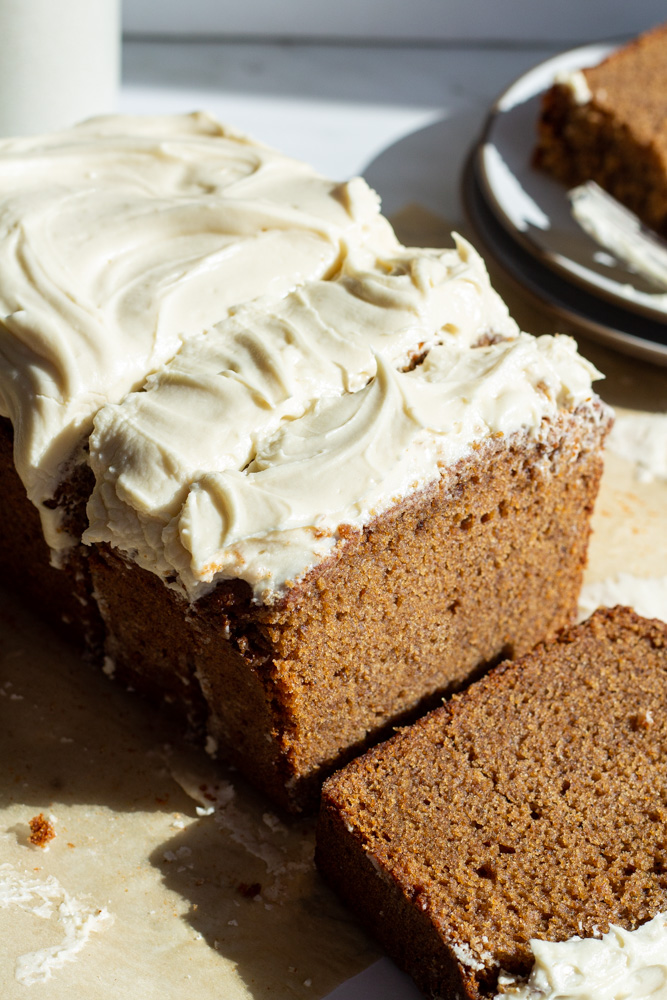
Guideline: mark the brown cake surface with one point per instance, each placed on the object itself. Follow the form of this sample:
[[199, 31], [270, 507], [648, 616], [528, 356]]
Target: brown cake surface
[[618, 136], [531, 806]]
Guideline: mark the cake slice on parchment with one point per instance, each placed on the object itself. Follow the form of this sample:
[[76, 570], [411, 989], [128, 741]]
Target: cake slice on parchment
[[533, 806]]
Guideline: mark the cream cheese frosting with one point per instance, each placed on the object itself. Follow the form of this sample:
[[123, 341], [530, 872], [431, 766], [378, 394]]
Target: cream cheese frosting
[[621, 232], [620, 965], [327, 422], [258, 358], [122, 238]]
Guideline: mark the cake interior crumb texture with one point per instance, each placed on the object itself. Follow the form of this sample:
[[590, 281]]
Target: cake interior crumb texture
[[618, 137], [533, 805]]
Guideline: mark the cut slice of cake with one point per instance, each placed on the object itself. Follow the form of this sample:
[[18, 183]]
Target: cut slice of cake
[[532, 806], [608, 123]]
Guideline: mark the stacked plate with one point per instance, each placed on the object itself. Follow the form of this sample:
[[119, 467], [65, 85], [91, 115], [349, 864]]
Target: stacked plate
[[523, 218]]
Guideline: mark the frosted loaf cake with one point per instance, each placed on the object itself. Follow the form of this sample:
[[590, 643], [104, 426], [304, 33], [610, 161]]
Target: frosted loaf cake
[[327, 479], [332, 423]]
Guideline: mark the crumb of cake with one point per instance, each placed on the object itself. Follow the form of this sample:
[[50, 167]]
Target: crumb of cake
[[41, 830], [489, 339], [347, 531]]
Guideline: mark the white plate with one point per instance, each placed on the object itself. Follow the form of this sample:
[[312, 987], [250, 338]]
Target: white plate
[[604, 321], [534, 208]]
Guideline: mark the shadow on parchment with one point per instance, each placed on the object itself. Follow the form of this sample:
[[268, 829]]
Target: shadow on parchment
[[69, 736]]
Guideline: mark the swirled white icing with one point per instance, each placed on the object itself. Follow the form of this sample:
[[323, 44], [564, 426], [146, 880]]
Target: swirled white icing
[[621, 965], [122, 238], [323, 424], [248, 339]]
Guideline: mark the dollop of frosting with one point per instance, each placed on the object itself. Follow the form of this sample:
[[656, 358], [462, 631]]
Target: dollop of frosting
[[619, 231], [621, 965], [337, 401], [122, 238], [576, 83]]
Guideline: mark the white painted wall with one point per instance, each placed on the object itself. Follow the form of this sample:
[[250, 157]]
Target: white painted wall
[[411, 20]]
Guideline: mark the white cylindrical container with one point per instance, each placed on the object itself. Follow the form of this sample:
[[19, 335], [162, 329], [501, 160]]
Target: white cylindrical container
[[60, 62]]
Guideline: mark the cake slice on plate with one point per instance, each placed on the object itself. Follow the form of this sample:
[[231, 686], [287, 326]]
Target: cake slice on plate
[[608, 123]]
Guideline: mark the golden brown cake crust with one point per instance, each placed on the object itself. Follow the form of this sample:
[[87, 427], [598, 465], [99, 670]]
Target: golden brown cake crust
[[532, 805], [619, 137]]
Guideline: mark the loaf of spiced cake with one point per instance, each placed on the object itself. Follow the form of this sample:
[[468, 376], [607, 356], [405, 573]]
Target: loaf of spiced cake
[[608, 123], [513, 842], [273, 466]]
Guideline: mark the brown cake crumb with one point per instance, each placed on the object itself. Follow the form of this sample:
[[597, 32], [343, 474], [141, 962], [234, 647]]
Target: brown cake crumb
[[41, 830]]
